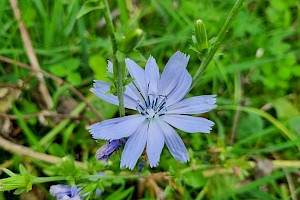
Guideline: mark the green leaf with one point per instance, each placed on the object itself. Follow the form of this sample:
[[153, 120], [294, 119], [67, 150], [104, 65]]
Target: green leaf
[[108, 110], [74, 78], [8, 172], [56, 150], [284, 108], [22, 169], [194, 179], [98, 64], [19, 191], [249, 124], [65, 67], [295, 124], [89, 6]]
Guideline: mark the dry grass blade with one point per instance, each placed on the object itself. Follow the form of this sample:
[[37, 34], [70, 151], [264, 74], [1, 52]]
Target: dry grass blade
[[25, 151], [31, 54]]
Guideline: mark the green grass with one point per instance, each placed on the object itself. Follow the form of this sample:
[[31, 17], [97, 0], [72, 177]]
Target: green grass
[[255, 74]]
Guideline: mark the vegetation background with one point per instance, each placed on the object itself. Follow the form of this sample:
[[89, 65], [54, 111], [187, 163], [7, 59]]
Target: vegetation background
[[253, 150]]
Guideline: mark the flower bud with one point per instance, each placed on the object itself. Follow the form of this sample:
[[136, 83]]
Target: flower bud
[[109, 148], [15, 181], [131, 40], [201, 36], [68, 164]]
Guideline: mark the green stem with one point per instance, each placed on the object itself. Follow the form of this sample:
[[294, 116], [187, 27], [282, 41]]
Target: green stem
[[38, 180], [117, 66], [218, 42], [111, 177]]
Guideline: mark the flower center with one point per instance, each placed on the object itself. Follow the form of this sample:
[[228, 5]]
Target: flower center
[[152, 107]]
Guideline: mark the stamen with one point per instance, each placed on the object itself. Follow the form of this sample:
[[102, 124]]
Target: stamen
[[155, 106]]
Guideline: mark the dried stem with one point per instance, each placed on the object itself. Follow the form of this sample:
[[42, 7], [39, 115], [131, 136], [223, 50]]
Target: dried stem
[[25, 151], [31, 55], [158, 191]]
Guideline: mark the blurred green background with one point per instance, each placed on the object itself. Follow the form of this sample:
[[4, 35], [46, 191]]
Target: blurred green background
[[250, 151]]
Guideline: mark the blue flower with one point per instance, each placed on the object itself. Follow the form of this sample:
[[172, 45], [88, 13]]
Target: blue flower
[[158, 99], [65, 192], [109, 148]]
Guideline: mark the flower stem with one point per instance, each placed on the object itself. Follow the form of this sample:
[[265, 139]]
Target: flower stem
[[218, 42], [117, 66], [37, 180]]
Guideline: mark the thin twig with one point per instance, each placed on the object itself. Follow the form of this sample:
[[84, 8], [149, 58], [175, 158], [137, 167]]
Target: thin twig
[[25, 151], [55, 78], [31, 55]]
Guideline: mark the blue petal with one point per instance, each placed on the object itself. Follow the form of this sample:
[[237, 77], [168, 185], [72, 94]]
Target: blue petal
[[132, 92], [155, 143], [134, 147], [59, 190], [152, 75], [174, 142], [172, 73], [138, 74], [101, 88], [110, 66], [181, 89], [188, 123], [194, 105], [116, 128]]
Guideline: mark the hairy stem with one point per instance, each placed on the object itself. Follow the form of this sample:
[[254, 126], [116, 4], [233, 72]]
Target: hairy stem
[[218, 42], [117, 66]]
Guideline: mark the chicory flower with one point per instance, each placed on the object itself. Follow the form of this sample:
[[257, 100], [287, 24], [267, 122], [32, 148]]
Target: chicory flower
[[158, 99], [65, 192]]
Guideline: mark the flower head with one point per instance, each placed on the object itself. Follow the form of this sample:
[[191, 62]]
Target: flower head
[[65, 192], [160, 105]]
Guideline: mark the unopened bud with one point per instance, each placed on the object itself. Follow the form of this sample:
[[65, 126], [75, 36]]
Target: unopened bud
[[201, 36], [21, 182], [109, 148], [131, 40]]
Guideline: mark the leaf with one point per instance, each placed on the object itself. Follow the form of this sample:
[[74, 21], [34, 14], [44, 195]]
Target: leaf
[[284, 108], [89, 6], [194, 179], [108, 110], [74, 78], [295, 124], [98, 64], [249, 124], [56, 150], [64, 68]]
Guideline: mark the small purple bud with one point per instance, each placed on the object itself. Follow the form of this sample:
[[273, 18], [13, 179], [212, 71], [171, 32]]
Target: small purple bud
[[109, 148]]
